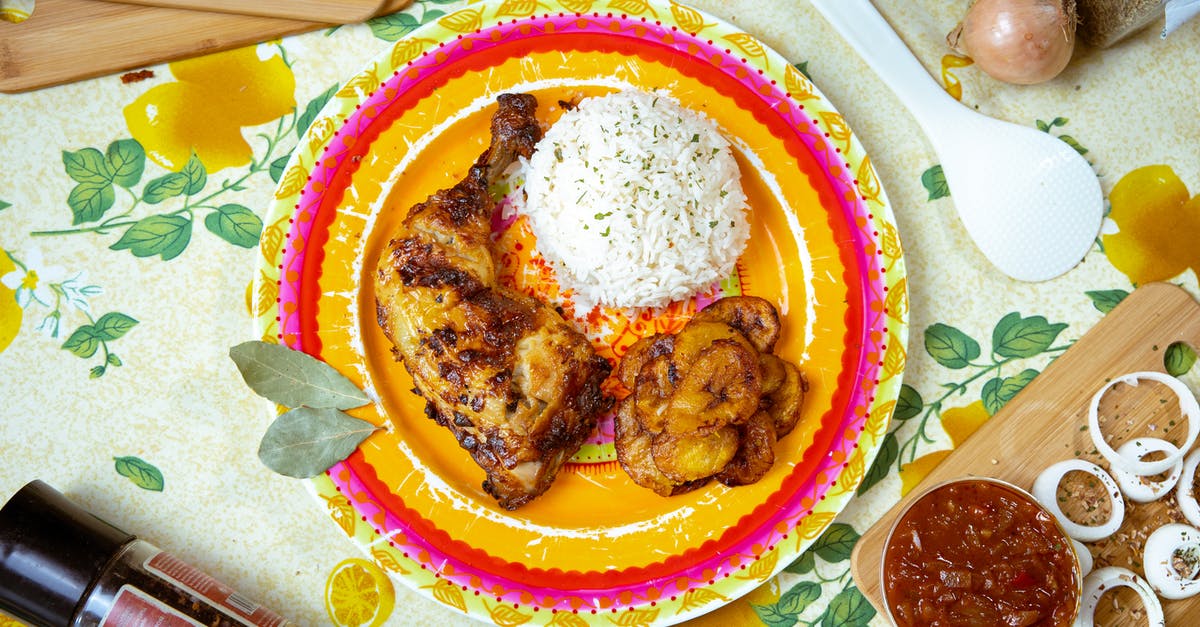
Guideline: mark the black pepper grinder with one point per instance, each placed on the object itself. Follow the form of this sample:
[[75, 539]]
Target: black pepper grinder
[[60, 565]]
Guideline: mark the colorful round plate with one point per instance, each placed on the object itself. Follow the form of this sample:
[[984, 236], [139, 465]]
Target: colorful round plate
[[596, 548]]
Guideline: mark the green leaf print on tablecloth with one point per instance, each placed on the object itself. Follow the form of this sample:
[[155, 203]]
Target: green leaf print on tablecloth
[[1106, 300], [163, 235], [825, 563], [192, 128], [1047, 127], [950, 347], [934, 178], [127, 160], [93, 195], [36, 284], [997, 392], [143, 474], [311, 110], [235, 224], [934, 181], [165, 187], [908, 404], [848, 609], [166, 234], [394, 26], [791, 604], [1015, 338], [889, 450], [836, 543], [90, 338]]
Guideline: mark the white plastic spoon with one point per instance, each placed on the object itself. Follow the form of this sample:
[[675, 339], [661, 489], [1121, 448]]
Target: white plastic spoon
[[1029, 201]]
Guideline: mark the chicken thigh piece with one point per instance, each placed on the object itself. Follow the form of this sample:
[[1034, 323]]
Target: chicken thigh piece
[[517, 384]]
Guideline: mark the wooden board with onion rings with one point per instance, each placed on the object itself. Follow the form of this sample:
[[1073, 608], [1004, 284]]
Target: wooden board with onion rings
[[1047, 423]]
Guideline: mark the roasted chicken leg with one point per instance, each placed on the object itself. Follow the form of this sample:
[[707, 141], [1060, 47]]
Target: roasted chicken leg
[[517, 385]]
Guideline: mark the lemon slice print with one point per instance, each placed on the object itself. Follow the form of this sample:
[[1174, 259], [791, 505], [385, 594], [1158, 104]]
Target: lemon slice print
[[358, 593], [10, 312], [205, 108]]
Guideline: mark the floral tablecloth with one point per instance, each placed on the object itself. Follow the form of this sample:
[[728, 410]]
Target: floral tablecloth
[[131, 210]]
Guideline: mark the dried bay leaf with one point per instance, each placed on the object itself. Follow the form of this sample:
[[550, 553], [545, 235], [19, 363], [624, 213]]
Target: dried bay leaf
[[315, 435], [306, 441], [294, 379]]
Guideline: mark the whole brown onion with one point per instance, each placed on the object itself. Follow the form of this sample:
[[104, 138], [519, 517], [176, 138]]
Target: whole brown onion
[[1017, 41]]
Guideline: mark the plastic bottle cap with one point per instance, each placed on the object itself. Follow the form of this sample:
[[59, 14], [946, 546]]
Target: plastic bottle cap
[[51, 550]]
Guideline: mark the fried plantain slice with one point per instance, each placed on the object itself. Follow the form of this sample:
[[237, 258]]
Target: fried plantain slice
[[639, 353], [755, 454], [754, 317], [633, 453], [709, 402], [697, 335], [652, 389], [694, 456], [722, 386], [773, 373], [786, 400]]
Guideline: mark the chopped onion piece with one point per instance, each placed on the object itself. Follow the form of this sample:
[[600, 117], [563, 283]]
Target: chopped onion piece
[[1138, 489], [1184, 494], [1104, 579], [1045, 490], [1159, 560], [1132, 462], [1085, 557]]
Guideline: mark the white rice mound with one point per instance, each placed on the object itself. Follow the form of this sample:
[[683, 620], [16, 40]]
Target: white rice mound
[[636, 201]]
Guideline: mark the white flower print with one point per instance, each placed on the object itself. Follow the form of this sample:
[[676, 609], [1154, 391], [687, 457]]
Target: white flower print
[[33, 280]]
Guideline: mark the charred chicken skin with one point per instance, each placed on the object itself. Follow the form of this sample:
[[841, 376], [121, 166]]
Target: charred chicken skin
[[517, 385]]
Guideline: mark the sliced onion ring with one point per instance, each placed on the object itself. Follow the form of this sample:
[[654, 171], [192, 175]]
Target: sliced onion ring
[[1160, 551], [1133, 463], [1085, 557], [1104, 579], [1136, 488], [1045, 490], [1184, 494]]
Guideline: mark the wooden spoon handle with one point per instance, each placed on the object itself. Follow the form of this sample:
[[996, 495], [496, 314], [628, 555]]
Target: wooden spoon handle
[[339, 12]]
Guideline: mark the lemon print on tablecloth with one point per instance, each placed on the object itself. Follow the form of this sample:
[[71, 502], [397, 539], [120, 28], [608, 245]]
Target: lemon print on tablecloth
[[1150, 233], [358, 594], [952, 84], [11, 311], [740, 611], [205, 109], [958, 423]]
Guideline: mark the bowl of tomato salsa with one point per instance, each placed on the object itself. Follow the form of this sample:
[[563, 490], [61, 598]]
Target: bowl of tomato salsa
[[979, 552]]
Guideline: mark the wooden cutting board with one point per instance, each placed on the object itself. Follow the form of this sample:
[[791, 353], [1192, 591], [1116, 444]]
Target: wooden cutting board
[[1043, 424], [70, 40], [339, 12]]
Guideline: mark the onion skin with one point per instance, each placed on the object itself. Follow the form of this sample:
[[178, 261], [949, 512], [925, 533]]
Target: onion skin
[[1018, 41]]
